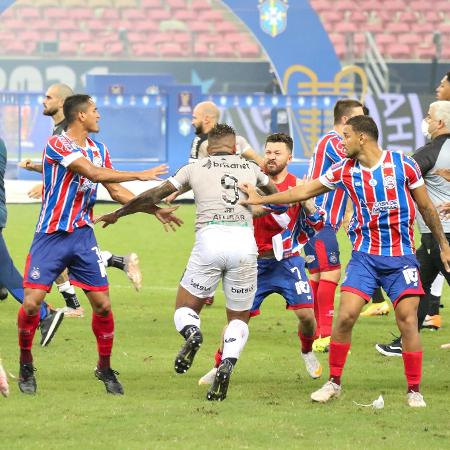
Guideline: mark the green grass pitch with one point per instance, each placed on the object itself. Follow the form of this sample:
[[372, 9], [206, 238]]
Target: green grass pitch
[[268, 402]]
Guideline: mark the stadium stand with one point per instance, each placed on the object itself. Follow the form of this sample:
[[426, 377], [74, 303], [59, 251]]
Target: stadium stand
[[403, 29], [124, 28]]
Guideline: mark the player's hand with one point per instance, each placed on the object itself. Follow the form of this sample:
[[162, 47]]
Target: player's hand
[[444, 210], [107, 219], [169, 220], [26, 164], [35, 192], [253, 197], [171, 198], [444, 173], [154, 174]]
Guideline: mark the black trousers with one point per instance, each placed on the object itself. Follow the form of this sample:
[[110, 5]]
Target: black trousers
[[429, 257]]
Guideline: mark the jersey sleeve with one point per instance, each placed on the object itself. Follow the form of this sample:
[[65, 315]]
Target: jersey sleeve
[[242, 145], [59, 151], [425, 158], [182, 177], [413, 173], [332, 179], [107, 159], [261, 178], [335, 150]]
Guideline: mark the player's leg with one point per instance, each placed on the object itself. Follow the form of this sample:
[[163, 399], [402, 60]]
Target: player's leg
[[27, 322], [360, 282], [128, 263], [406, 317], [239, 286], [4, 387], [73, 307], [187, 323], [103, 329], [433, 319]]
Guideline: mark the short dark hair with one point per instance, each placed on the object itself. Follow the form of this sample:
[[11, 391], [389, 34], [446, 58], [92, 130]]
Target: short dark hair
[[343, 108], [364, 124], [281, 137], [366, 110], [75, 104], [219, 131]]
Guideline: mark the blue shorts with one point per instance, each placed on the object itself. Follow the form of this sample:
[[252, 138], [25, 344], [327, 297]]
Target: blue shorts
[[51, 253], [287, 278], [397, 275], [322, 251]]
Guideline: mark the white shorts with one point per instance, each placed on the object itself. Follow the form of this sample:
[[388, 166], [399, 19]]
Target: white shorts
[[226, 253]]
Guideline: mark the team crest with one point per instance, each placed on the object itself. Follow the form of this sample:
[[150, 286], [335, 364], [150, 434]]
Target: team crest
[[273, 16], [35, 273], [332, 257], [389, 182]]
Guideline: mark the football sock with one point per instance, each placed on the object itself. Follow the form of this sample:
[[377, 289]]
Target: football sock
[[314, 287], [234, 339], [68, 292], [306, 341], [103, 328], [185, 319], [378, 296], [110, 260], [27, 327], [325, 295], [217, 358], [412, 362], [435, 302], [338, 355], [438, 285]]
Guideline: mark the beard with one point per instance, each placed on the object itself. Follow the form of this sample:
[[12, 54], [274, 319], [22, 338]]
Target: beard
[[274, 169], [49, 112]]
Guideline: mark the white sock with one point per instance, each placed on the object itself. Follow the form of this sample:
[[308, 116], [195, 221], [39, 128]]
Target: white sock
[[184, 317], [234, 339], [438, 285], [66, 287], [105, 257]]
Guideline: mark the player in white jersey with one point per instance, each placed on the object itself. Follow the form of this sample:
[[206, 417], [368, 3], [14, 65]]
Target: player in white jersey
[[225, 248]]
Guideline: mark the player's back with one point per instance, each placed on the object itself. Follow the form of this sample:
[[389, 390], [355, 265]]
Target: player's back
[[214, 181]]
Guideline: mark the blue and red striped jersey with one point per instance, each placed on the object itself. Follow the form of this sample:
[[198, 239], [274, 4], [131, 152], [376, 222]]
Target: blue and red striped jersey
[[384, 212], [68, 198], [329, 151]]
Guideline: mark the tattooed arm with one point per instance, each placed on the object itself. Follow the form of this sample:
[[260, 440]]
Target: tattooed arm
[[431, 218]]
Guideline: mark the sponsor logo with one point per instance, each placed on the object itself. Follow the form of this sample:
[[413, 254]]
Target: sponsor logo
[[87, 185], [246, 290], [35, 273], [357, 183], [389, 182], [208, 164], [373, 182], [229, 340], [194, 316], [333, 258], [384, 205], [225, 165], [198, 286]]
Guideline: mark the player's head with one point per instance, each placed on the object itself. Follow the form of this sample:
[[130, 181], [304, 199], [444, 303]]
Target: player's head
[[357, 132], [443, 90], [277, 153], [221, 138], [54, 98], [81, 109], [438, 118], [345, 109], [204, 117]]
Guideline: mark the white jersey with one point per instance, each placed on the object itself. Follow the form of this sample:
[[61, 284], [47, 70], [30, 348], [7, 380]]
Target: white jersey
[[215, 181]]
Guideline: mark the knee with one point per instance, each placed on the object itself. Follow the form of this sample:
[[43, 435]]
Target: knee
[[102, 308], [346, 320]]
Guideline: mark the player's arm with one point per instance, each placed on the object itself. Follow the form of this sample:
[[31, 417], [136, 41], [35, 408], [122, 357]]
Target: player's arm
[[348, 214], [296, 194], [251, 155], [122, 195], [444, 173], [84, 167], [431, 218], [308, 205], [144, 202], [31, 166]]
